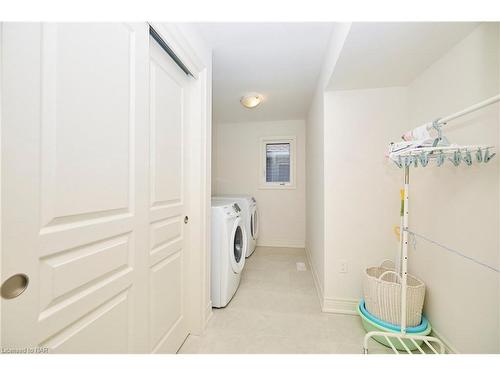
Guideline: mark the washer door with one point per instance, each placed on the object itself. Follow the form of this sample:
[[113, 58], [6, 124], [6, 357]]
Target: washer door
[[238, 246], [254, 223]]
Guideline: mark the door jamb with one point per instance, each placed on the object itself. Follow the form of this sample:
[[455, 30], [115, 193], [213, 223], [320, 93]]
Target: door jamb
[[1, 116]]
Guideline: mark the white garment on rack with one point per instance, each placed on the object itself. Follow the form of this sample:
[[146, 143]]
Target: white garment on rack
[[418, 134]]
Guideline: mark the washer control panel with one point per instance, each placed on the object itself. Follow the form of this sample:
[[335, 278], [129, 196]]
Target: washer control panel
[[232, 210]]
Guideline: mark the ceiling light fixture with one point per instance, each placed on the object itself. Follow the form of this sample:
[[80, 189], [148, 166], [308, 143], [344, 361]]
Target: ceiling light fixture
[[251, 100]]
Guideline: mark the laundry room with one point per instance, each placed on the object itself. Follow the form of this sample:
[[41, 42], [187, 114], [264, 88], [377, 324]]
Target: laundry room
[[250, 187], [309, 148]]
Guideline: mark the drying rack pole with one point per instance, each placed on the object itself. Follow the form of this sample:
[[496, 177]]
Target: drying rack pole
[[404, 251], [468, 110], [437, 346], [444, 120]]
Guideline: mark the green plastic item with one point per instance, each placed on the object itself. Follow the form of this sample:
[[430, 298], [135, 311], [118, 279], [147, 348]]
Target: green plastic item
[[370, 326]]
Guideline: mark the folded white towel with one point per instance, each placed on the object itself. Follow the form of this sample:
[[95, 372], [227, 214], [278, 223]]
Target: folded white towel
[[417, 134], [421, 133]]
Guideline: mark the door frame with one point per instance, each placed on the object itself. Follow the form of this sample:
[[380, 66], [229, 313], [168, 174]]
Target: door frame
[[187, 46], [1, 153]]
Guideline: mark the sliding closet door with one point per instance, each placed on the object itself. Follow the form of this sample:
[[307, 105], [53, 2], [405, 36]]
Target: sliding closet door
[[168, 255], [75, 242]]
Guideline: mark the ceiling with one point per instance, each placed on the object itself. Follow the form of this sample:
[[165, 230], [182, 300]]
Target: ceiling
[[393, 54], [281, 61]]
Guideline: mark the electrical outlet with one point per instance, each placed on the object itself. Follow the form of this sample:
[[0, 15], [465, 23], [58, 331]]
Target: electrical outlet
[[343, 266], [301, 266]]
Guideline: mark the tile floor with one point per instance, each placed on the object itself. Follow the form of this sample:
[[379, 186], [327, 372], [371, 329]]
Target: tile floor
[[276, 310]]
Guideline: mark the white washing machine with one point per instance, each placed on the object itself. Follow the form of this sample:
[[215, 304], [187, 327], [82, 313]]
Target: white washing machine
[[229, 245], [250, 214]]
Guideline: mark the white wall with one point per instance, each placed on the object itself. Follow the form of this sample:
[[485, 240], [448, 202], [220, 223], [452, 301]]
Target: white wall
[[361, 189], [315, 204], [315, 208], [459, 206], [236, 163], [213, 159]]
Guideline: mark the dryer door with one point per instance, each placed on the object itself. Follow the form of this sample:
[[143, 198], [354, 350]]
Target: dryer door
[[238, 246]]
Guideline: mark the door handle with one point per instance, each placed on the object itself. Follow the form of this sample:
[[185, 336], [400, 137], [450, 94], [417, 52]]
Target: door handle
[[186, 219], [14, 286]]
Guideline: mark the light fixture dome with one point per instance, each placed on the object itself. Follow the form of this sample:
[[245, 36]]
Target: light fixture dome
[[251, 100]]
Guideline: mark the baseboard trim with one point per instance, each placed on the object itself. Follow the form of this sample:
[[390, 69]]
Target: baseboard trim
[[331, 305], [282, 243], [450, 349], [340, 306], [317, 285]]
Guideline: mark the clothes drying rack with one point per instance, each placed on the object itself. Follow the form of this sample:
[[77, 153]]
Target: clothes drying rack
[[439, 151]]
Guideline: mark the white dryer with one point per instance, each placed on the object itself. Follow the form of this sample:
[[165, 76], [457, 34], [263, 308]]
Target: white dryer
[[229, 245], [250, 213]]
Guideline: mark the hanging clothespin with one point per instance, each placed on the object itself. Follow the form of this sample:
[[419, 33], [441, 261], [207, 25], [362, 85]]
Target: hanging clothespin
[[440, 159], [479, 155], [457, 158], [424, 159], [398, 162], [468, 158], [487, 156]]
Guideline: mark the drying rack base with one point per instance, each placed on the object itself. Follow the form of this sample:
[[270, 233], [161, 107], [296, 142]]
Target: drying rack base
[[439, 347]]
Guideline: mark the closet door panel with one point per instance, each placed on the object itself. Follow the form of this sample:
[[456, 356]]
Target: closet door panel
[[88, 104], [167, 202], [79, 237]]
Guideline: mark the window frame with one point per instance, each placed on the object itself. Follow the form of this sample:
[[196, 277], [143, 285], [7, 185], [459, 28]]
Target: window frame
[[263, 165]]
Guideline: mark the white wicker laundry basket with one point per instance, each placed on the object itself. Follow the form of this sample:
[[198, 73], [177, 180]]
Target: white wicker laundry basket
[[382, 290]]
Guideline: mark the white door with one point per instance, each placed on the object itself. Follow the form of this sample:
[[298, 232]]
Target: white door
[[167, 257], [92, 191]]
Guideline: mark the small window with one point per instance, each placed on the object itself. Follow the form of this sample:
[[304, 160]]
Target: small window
[[278, 163]]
